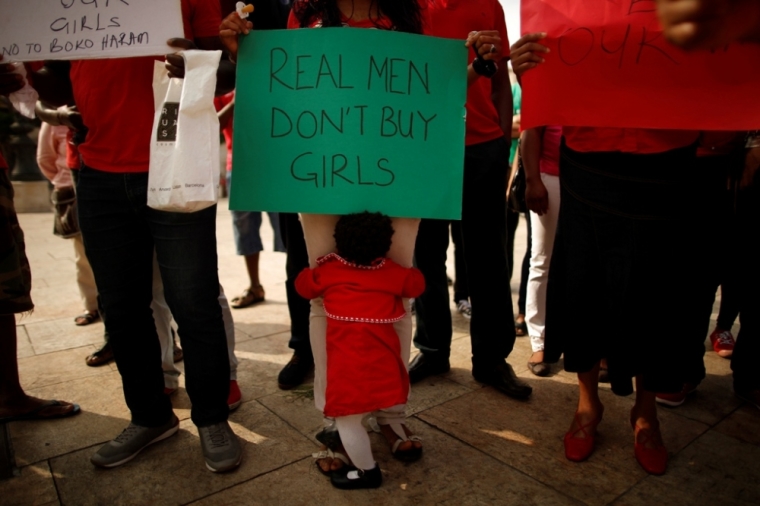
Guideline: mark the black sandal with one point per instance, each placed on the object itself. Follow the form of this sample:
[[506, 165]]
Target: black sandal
[[412, 454]]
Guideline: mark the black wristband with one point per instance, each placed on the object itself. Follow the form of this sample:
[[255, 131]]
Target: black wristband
[[485, 68]]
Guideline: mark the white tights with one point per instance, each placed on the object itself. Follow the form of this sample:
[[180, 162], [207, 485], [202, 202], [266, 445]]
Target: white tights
[[355, 440]]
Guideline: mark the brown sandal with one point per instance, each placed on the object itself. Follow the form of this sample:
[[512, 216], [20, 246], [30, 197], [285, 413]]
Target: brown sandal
[[250, 296], [86, 318]]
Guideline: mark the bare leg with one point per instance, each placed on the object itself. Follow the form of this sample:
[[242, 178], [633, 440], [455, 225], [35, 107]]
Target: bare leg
[[252, 265], [13, 400], [537, 357], [644, 416], [589, 405], [255, 292]]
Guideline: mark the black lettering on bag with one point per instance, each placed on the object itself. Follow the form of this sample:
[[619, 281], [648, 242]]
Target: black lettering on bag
[[167, 125]]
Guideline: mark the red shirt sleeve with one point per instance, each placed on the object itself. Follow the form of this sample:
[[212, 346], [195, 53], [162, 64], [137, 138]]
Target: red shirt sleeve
[[500, 23], [306, 286], [414, 284], [292, 21]]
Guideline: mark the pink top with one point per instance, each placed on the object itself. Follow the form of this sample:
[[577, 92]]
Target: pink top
[[548, 162], [51, 154]]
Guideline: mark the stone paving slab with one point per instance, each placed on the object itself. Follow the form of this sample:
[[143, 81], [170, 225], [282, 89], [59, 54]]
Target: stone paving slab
[[480, 446], [173, 471], [34, 487], [715, 470], [104, 415], [475, 479], [527, 435]]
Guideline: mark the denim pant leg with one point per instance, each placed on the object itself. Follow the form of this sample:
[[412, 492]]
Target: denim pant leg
[[434, 331], [186, 251], [484, 233], [119, 245]]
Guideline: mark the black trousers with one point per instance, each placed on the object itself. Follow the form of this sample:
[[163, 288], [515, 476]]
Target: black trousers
[[718, 219], [461, 289], [484, 241], [747, 351]]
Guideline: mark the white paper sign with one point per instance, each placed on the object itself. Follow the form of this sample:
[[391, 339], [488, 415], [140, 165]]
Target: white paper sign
[[78, 29]]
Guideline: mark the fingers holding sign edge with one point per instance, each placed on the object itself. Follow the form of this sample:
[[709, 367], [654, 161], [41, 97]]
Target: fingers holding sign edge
[[525, 52], [233, 26]]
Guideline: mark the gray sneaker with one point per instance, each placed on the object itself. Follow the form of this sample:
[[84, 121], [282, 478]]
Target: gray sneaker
[[221, 447], [131, 441]]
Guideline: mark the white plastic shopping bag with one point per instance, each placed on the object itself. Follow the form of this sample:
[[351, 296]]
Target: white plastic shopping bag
[[184, 148]]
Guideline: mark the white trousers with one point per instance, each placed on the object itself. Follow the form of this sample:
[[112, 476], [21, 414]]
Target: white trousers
[[543, 230], [163, 318], [85, 278], [318, 230]]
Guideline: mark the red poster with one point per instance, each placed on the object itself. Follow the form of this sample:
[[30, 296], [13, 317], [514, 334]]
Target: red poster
[[610, 66]]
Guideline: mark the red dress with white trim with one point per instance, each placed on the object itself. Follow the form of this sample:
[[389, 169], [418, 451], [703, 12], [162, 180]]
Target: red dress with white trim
[[364, 367]]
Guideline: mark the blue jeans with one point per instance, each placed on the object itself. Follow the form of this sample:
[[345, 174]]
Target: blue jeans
[[120, 233], [246, 226]]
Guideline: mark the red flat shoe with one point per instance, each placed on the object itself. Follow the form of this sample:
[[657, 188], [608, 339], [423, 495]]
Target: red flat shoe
[[579, 449], [654, 460]]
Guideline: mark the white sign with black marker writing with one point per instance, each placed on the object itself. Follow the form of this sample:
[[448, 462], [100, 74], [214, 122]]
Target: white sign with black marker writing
[[77, 29]]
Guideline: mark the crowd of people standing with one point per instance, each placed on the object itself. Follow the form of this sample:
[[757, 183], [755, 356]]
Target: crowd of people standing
[[627, 195]]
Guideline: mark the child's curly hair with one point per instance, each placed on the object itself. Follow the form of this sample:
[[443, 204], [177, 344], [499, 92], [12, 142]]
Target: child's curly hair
[[363, 237]]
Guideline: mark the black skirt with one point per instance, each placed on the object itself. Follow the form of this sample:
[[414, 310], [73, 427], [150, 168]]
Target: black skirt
[[621, 279]]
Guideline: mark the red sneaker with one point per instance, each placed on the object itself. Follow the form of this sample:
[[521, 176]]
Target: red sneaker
[[722, 342], [678, 398], [235, 398]]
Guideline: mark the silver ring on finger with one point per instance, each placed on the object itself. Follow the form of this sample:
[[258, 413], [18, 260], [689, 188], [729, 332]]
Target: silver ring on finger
[[493, 48]]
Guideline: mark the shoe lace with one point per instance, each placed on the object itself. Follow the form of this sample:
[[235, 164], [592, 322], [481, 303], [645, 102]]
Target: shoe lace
[[725, 337], [127, 433], [217, 435]]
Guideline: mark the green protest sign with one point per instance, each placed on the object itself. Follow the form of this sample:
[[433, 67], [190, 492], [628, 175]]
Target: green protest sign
[[340, 120]]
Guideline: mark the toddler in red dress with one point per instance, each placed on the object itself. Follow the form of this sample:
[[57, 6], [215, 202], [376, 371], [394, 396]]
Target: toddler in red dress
[[363, 294]]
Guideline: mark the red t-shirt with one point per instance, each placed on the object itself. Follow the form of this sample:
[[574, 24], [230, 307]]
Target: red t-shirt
[[115, 98], [72, 152], [3, 163], [219, 103], [455, 19], [626, 140], [381, 23], [548, 161]]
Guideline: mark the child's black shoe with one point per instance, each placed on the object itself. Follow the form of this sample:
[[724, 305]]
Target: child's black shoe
[[351, 478]]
